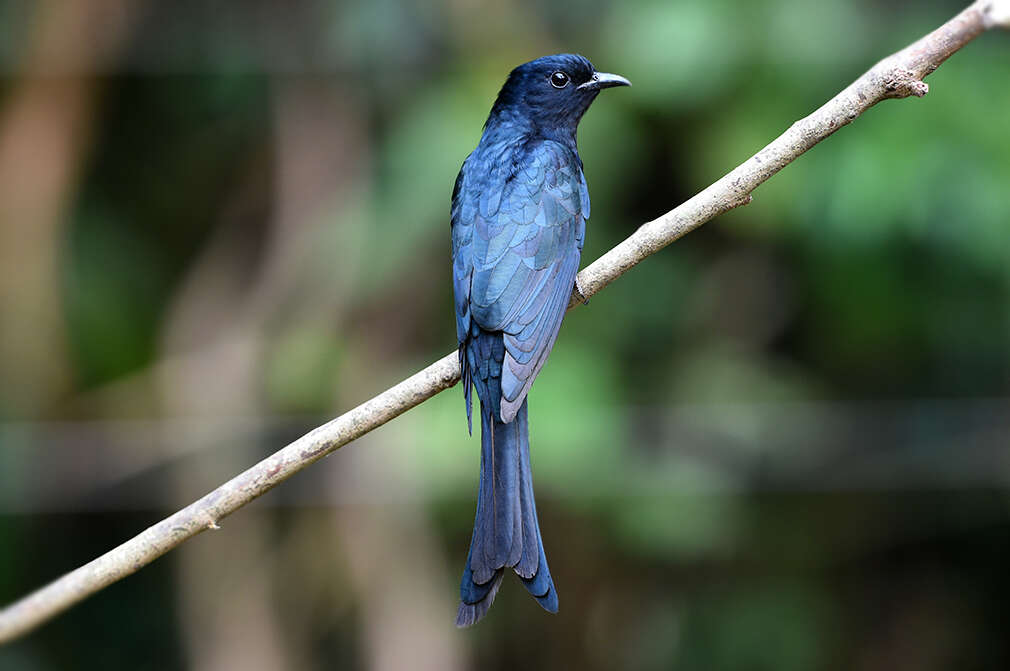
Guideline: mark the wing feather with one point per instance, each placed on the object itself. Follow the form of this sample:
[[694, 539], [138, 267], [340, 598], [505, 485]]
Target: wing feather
[[516, 242], [515, 261]]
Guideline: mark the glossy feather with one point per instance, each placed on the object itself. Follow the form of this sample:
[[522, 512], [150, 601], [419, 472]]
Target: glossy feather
[[519, 210]]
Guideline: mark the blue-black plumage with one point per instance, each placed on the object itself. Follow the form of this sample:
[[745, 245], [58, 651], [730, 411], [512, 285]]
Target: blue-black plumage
[[519, 211]]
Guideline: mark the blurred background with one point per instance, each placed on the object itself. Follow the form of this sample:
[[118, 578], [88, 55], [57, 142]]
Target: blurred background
[[781, 443]]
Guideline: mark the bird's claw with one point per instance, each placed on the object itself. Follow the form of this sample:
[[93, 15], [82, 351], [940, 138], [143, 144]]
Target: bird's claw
[[579, 294]]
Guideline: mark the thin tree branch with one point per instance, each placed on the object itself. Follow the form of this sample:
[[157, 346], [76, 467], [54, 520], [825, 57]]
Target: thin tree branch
[[897, 76]]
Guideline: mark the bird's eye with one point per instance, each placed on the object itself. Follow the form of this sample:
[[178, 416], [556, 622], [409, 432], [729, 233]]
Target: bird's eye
[[559, 80]]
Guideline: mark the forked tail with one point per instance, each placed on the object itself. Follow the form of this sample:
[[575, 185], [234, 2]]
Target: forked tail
[[506, 533]]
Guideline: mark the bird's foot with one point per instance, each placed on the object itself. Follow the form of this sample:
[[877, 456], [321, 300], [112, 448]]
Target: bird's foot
[[580, 296]]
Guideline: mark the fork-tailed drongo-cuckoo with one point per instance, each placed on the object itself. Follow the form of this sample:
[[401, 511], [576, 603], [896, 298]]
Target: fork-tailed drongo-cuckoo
[[519, 211]]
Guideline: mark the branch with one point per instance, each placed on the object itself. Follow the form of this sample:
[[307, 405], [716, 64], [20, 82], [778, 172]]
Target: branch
[[897, 76]]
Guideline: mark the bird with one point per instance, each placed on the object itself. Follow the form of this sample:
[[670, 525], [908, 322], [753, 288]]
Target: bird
[[518, 219]]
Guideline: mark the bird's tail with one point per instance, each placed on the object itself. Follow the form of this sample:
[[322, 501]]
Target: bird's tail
[[506, 533]]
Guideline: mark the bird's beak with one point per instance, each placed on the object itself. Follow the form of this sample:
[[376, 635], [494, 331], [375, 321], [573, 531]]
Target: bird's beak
[[604, 80]]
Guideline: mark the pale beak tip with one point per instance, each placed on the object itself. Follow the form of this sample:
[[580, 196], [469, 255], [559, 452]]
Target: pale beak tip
[[606, 80]]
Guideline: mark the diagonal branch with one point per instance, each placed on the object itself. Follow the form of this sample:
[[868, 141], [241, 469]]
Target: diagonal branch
[[897, 76]]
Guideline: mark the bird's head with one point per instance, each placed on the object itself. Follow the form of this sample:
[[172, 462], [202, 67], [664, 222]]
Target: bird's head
[[552, 92]]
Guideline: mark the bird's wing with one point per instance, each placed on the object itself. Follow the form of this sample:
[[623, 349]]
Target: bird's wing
[[516, 252], [461, 219]]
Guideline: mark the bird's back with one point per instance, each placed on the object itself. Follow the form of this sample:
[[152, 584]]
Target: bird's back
[[518, 223]]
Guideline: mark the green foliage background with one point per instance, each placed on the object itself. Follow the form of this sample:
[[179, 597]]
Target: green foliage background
[[778, 444]]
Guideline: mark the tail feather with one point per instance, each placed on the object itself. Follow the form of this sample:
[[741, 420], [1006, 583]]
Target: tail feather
[[470, 614], [506, 510], [529, 561], [506, 531], [532, 567]]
